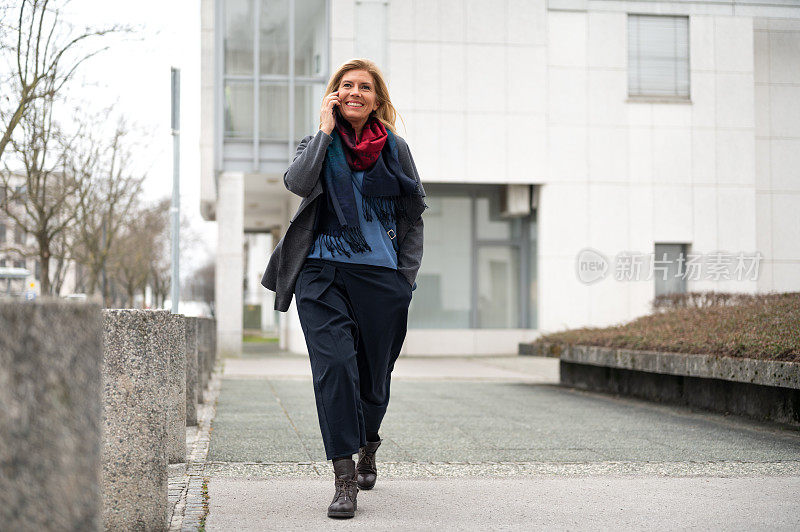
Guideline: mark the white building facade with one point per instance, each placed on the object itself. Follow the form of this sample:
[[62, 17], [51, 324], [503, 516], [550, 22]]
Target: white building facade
[[575, 153]]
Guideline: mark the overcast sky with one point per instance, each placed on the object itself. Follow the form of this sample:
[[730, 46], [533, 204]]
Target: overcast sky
[[135, 75]]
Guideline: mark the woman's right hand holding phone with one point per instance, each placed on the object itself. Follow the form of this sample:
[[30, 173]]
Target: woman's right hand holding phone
[[326, 114]]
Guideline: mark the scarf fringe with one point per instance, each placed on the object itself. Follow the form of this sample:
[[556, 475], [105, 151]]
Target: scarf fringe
[[388, 209], [352, 236]]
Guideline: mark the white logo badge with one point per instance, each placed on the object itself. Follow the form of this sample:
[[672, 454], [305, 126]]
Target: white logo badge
[[591, 265]]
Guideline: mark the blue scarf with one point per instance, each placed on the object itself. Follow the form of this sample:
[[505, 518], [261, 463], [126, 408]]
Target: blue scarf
[[386, 191]]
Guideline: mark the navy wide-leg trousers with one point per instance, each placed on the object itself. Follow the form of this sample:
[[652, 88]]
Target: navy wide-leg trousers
[[354, 317]]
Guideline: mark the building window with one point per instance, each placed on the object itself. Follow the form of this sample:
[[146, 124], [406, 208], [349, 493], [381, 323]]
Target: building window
[[20, 194], [669, 267], [498, 287], [260, 68], [478, 269], [443, 298], [239, 40], [19, 235], [19, 263], [239, 110], [2, 233], [658, 56], [272, 104], [274, 36], [308, 53]]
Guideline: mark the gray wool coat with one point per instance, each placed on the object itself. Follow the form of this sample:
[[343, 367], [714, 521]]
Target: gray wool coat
[[303, 178]]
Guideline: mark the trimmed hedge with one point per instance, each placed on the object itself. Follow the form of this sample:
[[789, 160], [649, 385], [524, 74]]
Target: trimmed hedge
[[760, 326]]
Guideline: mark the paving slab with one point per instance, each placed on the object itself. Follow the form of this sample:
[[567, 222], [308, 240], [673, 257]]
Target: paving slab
[[540, 503], [269, 420], [495, 443], [496, 368]]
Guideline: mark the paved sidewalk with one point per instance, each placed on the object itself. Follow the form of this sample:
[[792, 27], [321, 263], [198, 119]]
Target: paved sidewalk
[[495, 443], [541, 503]]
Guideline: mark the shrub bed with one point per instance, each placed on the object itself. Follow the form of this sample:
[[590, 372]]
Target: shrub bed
[[760, 326]]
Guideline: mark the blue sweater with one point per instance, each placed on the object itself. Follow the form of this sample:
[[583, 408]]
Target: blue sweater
[[383, 252]]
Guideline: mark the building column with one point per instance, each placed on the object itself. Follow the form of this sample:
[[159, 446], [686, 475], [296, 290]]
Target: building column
[[292, 336], [228, 286], [290, 333]]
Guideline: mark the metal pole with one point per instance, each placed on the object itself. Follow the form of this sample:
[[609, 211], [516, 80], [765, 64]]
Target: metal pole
[[104, 263], [175, 209]]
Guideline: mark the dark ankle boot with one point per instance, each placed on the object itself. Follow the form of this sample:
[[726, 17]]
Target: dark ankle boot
[[344, 500], [367, 469]]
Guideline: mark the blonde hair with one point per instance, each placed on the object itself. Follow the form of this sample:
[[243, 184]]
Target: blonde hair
[[385, 112]]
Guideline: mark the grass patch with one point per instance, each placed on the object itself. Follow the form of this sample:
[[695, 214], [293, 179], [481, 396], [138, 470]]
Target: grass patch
[[762, 326], [257, 339]]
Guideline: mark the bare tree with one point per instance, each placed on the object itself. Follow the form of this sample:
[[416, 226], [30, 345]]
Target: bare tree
[[48, 194], [200, 286], [111, 192], [60, 258], [160, 280], [138, 247], [160, 274], [5, 27], [44, 52]]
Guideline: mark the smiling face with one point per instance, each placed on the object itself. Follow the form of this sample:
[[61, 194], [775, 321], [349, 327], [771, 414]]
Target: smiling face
[[357, 87]]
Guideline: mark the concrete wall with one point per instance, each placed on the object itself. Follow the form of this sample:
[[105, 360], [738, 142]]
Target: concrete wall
[[623, 175], [777, 159]]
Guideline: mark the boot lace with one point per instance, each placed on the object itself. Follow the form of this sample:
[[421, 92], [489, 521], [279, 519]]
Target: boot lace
[[344, 488], [366, 462]]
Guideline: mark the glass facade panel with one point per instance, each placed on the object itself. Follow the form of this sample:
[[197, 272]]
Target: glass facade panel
[[490, 224], [239, 16], [475, 273], [533, 274], [273, 105], [238, 110], [498, 287], [274, 37], [255, 79], [273, 112], [307, 103], [442, 299], [308, 45]]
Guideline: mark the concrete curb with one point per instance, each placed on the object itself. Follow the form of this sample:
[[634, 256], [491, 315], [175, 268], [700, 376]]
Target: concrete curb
[[749, 370], [760, 389], [541, 349]]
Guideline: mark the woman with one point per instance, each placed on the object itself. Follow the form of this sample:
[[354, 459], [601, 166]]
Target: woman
[[350, 256]]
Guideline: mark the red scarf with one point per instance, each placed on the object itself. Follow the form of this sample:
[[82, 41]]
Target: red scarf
[[362, 155]]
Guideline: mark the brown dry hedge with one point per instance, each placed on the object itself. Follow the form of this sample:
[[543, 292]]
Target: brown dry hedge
[[762, 326]]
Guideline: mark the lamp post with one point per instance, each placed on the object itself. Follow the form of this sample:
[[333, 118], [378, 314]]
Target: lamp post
[[175, 209]]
